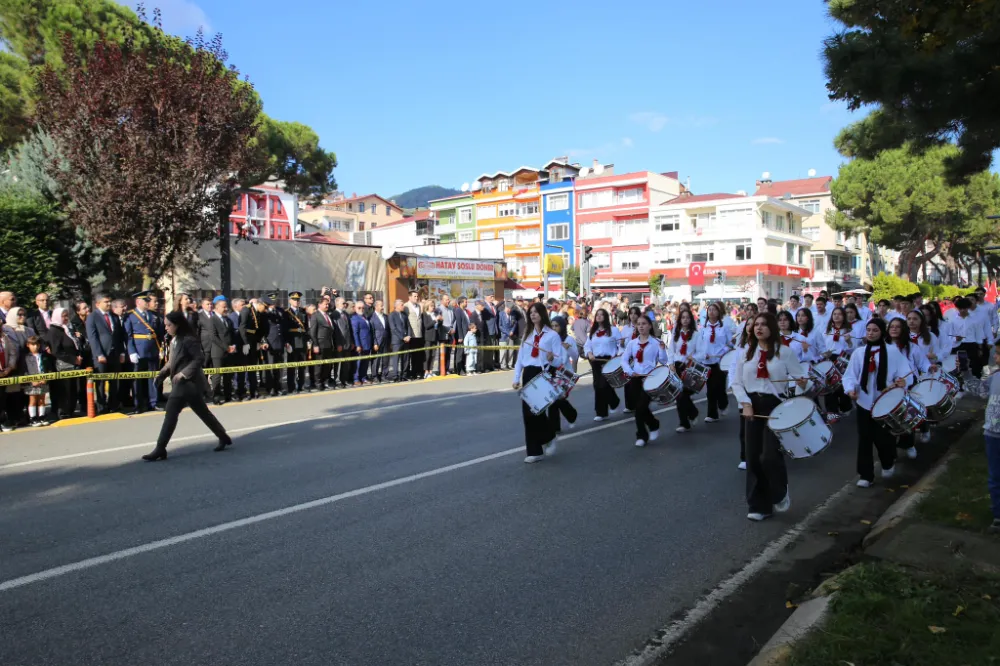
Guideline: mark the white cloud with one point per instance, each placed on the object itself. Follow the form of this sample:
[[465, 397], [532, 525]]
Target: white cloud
[[607, 148], [651, 120], [767, 141], [180, 17]]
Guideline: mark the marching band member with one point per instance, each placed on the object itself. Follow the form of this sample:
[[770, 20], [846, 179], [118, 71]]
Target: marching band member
[[715, 342], [814, 347], [938, 327], [921, 336], [540, 348], [630, 332], [562, 360], [685, 345], [790, 337], [758, 380], [837, 341], [742, 343], [642, 355], [601, 347], [874, 368], [856, 323], [899, 334]]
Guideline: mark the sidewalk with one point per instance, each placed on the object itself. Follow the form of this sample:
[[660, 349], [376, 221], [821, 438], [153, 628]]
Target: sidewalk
[[928, 590]]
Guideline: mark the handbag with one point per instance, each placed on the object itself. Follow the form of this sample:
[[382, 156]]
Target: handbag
[[63, 366]]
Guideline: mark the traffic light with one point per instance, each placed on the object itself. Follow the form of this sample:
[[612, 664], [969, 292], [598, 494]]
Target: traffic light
[[588, 253]]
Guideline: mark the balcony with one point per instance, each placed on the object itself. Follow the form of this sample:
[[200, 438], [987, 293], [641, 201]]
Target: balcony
[[447, 227]]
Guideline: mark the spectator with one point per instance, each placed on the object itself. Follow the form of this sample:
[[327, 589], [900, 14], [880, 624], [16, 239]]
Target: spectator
[[361, 331], [36, 362], [10, 358], [39, 319], [17, 329], [66, 349], [7, 302], [432, 332], [470, 344], [506, 328]]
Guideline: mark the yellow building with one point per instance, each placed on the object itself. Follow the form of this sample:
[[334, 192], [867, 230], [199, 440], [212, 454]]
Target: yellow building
[[507, 207]]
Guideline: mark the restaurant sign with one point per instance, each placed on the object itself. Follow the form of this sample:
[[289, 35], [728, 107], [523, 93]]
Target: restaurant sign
[[454, 269]]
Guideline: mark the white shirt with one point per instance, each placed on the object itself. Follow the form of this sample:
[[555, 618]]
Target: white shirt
[[945, 340], [982, 316], [626, 334], [795, 341], [967, 328], [843, 343], [858, 333], [732, 369], [898, 367], [821, 321], [817, 346], [917, 361], [864, 312], [927, 349], [694, 347], [603, 345], [549, 342], [783, 366], [652, 355], [710, 352]]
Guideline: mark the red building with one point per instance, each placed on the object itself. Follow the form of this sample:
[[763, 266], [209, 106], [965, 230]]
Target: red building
[[265, 211]]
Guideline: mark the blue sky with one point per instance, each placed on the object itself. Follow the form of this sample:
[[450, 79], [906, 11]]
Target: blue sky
[[418, 93]]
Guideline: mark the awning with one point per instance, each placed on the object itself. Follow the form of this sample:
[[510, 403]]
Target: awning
[[511, 285]]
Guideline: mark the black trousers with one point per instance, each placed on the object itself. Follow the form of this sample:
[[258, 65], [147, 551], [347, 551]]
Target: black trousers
[[64, 397], [872, 433], [686, 410], [378, 364], [460, 359], [743, 439], [345, 369], [296, 377], [838, 401], [537, 427], [415, 359], [516, 341], [325, 370], [971, 350], [187, 394], [605, 397], [482, 339], [767, 476], [398, 362], [432, 356], [107, 399], [716, 389], [272, 378], [644, 419], [243, 379], [561, 406]]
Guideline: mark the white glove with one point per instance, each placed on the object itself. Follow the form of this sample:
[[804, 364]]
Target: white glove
[[134, 358], [246, 349], [288, 348]]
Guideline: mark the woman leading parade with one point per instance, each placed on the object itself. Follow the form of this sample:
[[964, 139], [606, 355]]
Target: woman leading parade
[[541, 347]]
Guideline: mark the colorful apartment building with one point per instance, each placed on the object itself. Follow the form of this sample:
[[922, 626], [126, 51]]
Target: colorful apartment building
[[265, 212], [558, 219], [612, 214], [507, 207], [454, 218]]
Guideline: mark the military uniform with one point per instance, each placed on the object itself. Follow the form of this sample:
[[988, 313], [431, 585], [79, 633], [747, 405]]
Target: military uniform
[[254, 328], [144, 339], [275, 350], [295, 331]]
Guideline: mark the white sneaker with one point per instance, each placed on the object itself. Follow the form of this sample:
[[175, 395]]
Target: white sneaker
[[640, 442], [925, 437], [758, 516], [683, 429], [911, 453], [654, 435], [550, 449], [864, 484], [600, 418], [611, 412], [533, 459], [888, 473], [709, 419], [628, 411], [742, 465], [723, 412], [785, 504]]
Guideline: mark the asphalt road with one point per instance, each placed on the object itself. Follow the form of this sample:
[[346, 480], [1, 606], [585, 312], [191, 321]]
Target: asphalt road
[[426, 540]]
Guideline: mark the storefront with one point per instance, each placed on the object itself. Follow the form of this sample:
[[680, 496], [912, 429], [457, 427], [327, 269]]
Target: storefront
[[435, 277]]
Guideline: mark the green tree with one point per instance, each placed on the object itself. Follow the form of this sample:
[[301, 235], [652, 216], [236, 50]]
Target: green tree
[[887, 286], [930, 69], [31, 232], [572, 276], [906, 202], [656, 285]]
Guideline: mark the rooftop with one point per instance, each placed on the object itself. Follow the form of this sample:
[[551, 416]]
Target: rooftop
[[697, 198], [802, 186]]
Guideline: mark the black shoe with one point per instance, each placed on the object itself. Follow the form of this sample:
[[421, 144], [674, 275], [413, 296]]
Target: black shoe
[[217, 401], [155, 454], [223, 443], [159, 408]]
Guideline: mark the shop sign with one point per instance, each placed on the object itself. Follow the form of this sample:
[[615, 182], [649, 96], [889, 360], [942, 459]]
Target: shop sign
[[454, 269]]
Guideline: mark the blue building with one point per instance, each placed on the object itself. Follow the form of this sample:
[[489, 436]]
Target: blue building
[[558, 215]]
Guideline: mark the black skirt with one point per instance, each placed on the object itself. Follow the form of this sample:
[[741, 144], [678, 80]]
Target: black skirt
[[538, 429]]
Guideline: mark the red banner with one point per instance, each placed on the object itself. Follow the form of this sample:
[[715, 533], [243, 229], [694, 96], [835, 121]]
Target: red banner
[[991, 291], [696, 274]]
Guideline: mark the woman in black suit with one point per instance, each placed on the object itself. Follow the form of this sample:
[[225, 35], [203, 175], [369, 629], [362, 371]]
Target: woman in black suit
[[188, 385], [66, 349], [433, 323]]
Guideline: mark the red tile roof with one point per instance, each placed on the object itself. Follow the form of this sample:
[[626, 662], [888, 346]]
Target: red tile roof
[[798, 187], [367, 196], [420, 215], [696, 198]]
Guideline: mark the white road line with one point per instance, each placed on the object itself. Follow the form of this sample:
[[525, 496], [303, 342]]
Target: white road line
[[92, 562], [673, 633]]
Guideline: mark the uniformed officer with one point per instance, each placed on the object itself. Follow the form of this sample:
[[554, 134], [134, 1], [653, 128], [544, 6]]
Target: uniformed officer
[[275, 344], [295, 331], [144, 333], [254, 327]]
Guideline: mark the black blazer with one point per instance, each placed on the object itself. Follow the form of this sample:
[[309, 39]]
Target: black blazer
[[320, 332], [186, 356], [216, 335], [432, 332], [461, 319], [342, 333], [380, 332], [399, 327], [61, 345], [102, 341]]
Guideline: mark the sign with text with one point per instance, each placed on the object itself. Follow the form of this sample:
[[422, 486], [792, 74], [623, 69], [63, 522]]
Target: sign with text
[[454, 269], [553, 263]]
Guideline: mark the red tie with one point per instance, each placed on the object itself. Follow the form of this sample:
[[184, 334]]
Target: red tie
[[684, 342], [601, 333], [913, 339], [712, 339], [534, 349], [327, 317], [762, 366], [785, 340], [836, 335], [635, 333], [871, 360], [638, 354], [108, 319]]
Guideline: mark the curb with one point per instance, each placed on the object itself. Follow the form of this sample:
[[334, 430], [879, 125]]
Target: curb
[[807, 616]]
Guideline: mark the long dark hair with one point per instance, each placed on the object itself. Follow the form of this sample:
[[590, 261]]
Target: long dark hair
[[883, 366], [931, 319], [857, 313], [903, 341], [543, 315], [924, 332], [843, 314], [605, 324], [785, 314], [774, 339], [677, 325], [180, 323], [810, 323]]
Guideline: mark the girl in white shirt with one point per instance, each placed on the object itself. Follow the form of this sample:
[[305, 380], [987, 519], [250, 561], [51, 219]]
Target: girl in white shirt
[[813, 337], [685, 345], [873, 368], [715, 342], [857, 324], [921, 336], [837, 341], [640, 357], [541, 348], [563, 360], [760, 377], [630, 332], [899, 334], [601, 347], [939, 328], [791, 338]]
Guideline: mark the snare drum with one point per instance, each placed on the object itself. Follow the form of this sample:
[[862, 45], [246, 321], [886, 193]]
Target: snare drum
[[694, 376], [826, 376], [614, 374], [663, 385], [728, 361], [936, 397], [540, 392], [901, 412], [946, 378], [842, 360], [799, 427]]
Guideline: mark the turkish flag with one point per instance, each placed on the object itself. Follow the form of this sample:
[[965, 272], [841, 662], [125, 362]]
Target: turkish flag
[[696, 274], [991, 291]]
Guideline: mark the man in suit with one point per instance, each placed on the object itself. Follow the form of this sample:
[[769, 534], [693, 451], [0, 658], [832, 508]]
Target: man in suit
[[105, 336], [447, 329], [344, 340], [205, 328], [361, 332], [400, 335], [275, 352], [238, 358], [295, 332], [321, 330], [369, 306], [460, 322], [40, 318], [221, 345], [380, 339], [144, 342], [253, 329], [416, 316], [7, 301], [506, 326]]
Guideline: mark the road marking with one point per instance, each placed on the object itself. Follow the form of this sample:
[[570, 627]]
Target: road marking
[[670, 635], [92, 562]]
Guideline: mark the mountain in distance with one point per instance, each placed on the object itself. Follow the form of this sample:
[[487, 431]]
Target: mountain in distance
[[419, 196]]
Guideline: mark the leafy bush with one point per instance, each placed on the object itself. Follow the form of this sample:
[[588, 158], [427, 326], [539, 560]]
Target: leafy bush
[[887, 286]]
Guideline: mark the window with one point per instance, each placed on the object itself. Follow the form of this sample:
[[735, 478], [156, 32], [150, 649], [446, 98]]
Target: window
[[557, 202], [743, 252], [527, 209], [596, 199], [361, 225], [667, 222], [558, 232], [779, 221], [601, 260], [855, 262], [781, 290], [555, 176], [768, 287], [488, 235], [465, 216], [632, 232], [595, 230], [766, 216], [811, 205], [802, 255], [841, 238], [374, 224], [818, 263], [667, 254], [791, 224], [506, 209], [735, 215], [702, 221], [628, 261], [239, 203], [388, 210], [465, 235], [529, 237], [503, 185], [361, 206], [632, 195], [430, 240], [702, 256], [812, 233], [509, 236], [531, 265], [486, 212]]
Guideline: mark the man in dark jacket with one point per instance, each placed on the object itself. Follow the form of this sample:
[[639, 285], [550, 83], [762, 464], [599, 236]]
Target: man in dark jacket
[[295, 333], [107, 344], [344, 339], [38, 319], [276, 345], [253, 328], [221, 343], [460, 322], [400, 334], [380, 340], [321, 331]]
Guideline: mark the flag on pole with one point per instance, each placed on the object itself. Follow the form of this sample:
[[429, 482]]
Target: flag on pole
[[696, 274], [991, 291]]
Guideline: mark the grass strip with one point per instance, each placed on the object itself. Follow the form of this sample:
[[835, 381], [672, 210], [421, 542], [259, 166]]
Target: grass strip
[[960, 497]]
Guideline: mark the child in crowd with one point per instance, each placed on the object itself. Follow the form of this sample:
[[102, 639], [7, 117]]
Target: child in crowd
[[471, 353], [990, 389], [36, 363]]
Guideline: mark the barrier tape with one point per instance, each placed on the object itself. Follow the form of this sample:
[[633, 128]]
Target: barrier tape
[[46, 377]]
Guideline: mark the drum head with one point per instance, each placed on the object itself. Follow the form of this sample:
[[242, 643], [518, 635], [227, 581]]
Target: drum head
[[888, 401], [950, 364], [930, 391], [791, 413], [823, 367], [612, 365], [655, 379], [729, 359]]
